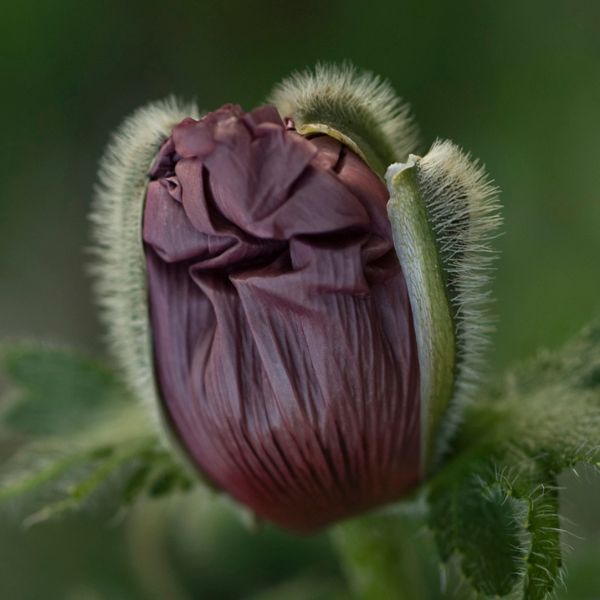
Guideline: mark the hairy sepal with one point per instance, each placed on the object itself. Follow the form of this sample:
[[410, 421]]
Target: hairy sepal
[[461, 209], [356, 107], [416, 249], [119, 266]]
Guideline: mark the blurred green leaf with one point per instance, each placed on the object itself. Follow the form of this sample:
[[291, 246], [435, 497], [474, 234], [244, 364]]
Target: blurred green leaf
[[83, 438], [55, 390]]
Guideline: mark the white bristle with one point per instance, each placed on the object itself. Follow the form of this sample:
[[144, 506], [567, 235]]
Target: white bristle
[[343, 90], [119, 267], [463, 209]]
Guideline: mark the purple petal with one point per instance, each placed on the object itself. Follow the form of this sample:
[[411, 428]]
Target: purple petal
[[284, 344]]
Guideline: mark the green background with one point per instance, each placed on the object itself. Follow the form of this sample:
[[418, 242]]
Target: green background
[[515, 83]]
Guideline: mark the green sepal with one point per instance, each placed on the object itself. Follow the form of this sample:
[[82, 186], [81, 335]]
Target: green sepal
[[355, 107], [417, 252]]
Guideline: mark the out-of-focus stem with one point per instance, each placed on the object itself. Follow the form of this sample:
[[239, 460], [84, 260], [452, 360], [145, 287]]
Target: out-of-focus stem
[[378, 557]]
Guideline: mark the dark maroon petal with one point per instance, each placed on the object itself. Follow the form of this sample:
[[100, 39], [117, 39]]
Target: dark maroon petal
[[283, 338], [169, 231]]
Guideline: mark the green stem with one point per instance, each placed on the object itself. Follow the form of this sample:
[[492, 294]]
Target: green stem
[[378, 557]]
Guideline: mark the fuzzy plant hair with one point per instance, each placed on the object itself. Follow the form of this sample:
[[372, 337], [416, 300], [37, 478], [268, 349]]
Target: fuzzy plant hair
[[118, 270], [357, 107], [448, 202]]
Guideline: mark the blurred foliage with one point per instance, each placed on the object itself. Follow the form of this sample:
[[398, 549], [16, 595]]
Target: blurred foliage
[[389, 556], [76, 431], [518, 84], [496, 504]]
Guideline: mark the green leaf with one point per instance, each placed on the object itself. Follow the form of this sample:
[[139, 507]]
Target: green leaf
[[495, 505], [54, 390], [83, 439], [544, 561], [306, 587], [480, 521]]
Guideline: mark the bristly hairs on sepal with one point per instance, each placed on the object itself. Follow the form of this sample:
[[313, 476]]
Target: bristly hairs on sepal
[[360, 105], [119, 267], [464, 213]]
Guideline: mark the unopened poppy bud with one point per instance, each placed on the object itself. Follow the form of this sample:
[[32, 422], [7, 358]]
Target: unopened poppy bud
[[303, 330]]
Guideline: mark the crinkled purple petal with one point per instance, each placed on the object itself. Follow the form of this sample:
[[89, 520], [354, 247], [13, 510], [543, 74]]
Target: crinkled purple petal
[[284, 344]]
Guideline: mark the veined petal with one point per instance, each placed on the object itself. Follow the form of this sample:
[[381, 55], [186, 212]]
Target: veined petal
[[286, 355]]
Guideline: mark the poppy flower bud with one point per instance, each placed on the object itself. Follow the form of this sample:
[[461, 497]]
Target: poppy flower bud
[[303, 329]]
